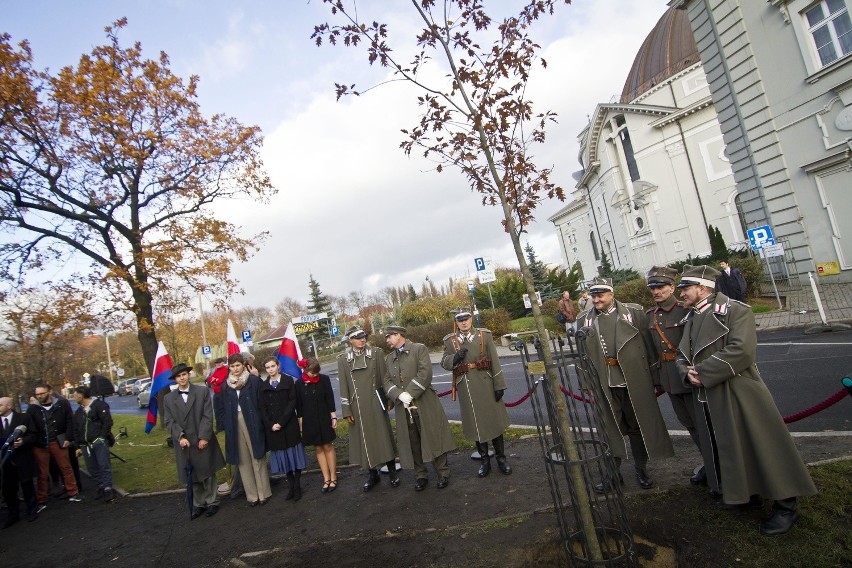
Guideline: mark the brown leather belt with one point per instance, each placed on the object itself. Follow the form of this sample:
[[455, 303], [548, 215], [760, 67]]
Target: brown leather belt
[[668, 356], [611, 361]]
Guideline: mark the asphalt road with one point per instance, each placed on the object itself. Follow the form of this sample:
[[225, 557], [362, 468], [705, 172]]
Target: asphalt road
[[800, 371]]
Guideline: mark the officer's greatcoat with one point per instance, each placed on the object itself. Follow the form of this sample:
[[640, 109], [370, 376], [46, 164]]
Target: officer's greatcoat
[[483, 418], [632, 352], [370, 437], [409, 369], [756, 452]]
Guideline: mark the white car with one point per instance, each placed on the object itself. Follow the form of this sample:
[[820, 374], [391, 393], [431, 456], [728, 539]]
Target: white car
[[141, 385], [144, 397]]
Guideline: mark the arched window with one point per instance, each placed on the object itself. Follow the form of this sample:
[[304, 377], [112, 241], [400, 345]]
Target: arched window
[[594, 245], [624, 134]]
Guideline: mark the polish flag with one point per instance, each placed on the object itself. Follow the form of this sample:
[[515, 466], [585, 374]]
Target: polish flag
[[162, 377], [289, 354], [233, 343]]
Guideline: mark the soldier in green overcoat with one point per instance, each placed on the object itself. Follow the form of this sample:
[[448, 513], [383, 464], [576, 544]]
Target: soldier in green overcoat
[[477, 377], [665, 326], [361, 371], [619, 346], [422, 430], [756, 455]]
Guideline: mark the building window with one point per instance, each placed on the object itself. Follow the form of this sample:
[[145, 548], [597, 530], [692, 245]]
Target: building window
[[831, 29], [624, 134], [594, 245]]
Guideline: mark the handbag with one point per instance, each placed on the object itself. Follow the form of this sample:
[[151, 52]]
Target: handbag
[[560, 317]]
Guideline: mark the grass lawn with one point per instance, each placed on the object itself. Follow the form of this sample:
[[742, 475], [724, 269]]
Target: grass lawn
[[151, 467]]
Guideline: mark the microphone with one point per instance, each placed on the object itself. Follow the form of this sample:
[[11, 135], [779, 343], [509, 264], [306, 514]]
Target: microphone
[[19, 431]]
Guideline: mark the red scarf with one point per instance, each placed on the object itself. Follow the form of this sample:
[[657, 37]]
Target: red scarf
[[308, 379]]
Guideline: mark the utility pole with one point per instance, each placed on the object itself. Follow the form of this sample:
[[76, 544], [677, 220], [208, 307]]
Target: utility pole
[[203, 335], [109, 358]]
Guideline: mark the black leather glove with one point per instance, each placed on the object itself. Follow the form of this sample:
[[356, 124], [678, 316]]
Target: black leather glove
[[460, 355], [498, 395]]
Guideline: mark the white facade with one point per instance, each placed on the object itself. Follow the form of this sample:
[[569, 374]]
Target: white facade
[[658, 211]]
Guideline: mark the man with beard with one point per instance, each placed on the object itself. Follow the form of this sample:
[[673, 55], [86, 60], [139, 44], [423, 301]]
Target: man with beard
[[757, 457]]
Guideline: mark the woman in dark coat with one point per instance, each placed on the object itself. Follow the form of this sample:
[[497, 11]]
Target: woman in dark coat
[[237, 409], [281, 426], [318, 419]]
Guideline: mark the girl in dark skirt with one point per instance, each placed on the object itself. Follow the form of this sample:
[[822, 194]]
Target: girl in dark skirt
[[281, 426], [317, 417]]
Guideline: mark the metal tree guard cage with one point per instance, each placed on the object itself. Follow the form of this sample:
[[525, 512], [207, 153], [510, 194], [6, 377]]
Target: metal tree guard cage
[[578, 384]]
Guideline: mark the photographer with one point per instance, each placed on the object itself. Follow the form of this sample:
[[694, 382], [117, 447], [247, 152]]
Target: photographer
[[92, 431]]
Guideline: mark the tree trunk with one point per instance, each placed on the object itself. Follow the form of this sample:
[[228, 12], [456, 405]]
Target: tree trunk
[[143, 308]]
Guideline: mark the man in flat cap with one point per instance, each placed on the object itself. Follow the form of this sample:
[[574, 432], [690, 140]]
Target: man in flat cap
[[422, 431], [756, 455], [471, 355], [665, 326], [361, 370], [619, 348]]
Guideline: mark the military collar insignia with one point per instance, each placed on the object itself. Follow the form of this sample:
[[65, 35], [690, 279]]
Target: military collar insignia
[[720, 309], [703, 305]]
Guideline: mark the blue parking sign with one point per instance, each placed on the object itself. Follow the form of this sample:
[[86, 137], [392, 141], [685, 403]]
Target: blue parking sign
[[334, 330], [480, 263], [760, 237], [246, 336]]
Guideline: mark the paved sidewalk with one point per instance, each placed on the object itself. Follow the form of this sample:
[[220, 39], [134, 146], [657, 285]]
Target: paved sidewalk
[[801, 307]]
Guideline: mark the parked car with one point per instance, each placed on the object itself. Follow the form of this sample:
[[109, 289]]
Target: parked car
[[144, 397], [120, 390], [128, 385], [140, 385]]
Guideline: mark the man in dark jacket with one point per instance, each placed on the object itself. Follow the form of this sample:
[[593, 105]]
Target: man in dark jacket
[[731, 282], [92, 429], [52, 422], [18, 461]]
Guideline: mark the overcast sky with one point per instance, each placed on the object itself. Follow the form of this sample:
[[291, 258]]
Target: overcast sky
[[352, 209]]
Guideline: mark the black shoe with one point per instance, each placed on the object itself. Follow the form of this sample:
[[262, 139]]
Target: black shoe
[[212, 510], [421, 484], [715, 494], [504, 467], [779, 523], [32, 517], [108, 495], [291, 492], [196, 512], [297, 493], [100, 493], [443, 482], [642, 479], [606, 485], [755, 502], [700, 478], [394, 478], [372, 481], [484, 467]]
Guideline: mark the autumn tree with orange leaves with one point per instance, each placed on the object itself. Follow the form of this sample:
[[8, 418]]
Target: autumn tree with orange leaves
[[113, 161]]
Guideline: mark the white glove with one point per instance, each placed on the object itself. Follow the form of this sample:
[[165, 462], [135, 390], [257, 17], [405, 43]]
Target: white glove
[[405, 399]]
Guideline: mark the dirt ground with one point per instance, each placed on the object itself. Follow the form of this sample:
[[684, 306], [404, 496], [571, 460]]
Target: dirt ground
[[496, 521]]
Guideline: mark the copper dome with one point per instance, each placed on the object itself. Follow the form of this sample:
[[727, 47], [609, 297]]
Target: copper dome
[[668, 49]]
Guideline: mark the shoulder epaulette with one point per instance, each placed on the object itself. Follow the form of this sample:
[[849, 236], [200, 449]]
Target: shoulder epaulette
[[485, 330], [449, 335], [634, 306]]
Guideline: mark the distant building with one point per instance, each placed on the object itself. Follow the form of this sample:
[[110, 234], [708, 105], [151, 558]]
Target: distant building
[[780, 72], [654, 172]]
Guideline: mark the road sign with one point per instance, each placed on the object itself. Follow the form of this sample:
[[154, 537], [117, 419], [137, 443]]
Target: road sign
[[307, 327], [206, 351], [310, 318], [335, 330], [480, 263], [487, 276], [246, 335], [769, 251], [528, 304], [470, 285], [119, 372], [760, 236]]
